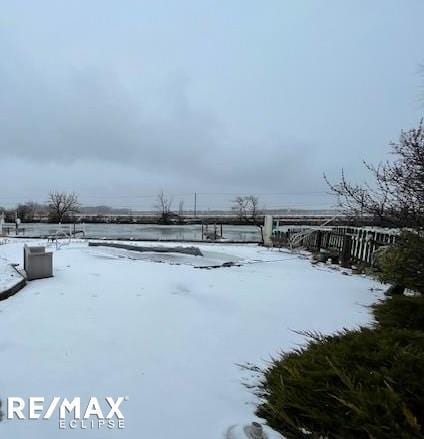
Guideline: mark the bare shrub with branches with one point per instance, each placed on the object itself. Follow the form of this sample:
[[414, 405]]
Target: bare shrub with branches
[[163, 206], [396, 198]]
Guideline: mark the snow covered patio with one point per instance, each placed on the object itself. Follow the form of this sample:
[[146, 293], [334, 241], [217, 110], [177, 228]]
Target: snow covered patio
[[167, 335]]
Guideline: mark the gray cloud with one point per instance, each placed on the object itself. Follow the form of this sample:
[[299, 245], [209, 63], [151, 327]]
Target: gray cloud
[[118, 100]]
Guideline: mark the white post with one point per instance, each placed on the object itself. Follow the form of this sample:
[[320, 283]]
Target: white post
[[268, 230], [1, 223]]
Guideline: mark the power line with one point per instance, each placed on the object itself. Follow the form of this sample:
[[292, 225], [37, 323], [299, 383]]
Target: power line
[[185, 194]]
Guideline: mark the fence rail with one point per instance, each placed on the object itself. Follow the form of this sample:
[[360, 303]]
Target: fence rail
[[350, 244]]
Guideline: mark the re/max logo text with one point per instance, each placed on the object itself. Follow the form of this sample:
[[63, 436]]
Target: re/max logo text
[[73, 413]]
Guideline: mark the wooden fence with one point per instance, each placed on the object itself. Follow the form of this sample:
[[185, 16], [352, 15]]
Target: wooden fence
[[350, 244]]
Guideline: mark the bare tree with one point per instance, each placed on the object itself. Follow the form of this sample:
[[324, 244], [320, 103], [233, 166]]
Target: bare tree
[[239, 206], [253, 209], [61, 205], [163, 206], [252, 202], [397, 196], [246, 208]]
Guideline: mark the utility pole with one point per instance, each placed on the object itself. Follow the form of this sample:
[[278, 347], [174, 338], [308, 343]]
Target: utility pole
[[195, 204]]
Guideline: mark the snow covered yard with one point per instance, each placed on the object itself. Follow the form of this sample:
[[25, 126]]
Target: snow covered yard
[[167, 335]]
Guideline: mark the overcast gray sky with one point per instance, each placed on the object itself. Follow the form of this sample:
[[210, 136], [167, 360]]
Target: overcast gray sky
[[117, 99]]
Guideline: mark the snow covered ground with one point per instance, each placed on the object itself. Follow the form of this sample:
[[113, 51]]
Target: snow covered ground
[[9, 277], [164, 332]]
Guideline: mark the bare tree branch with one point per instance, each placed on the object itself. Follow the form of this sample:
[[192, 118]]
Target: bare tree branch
[[397, 196]]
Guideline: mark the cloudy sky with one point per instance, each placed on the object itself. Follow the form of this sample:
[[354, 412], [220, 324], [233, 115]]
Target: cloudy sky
[[116, 100]]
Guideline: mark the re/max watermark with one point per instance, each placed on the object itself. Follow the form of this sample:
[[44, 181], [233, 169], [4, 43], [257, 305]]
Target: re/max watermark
[[92, 413]]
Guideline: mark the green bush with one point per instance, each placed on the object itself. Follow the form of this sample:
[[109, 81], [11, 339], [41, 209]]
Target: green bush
[[401, 312], [403, 263], [361, 384], [364, 384]]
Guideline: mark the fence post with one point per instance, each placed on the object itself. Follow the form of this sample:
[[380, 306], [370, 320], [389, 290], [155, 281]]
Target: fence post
[[268, 230], [345, 258], [318, 241]]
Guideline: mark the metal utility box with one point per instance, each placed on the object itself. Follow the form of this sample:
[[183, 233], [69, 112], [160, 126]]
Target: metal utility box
[[38, 263]]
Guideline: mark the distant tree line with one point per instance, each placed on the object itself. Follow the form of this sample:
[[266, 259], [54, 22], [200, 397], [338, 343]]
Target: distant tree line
[[60, 207], [63, 206], [26, 212]]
